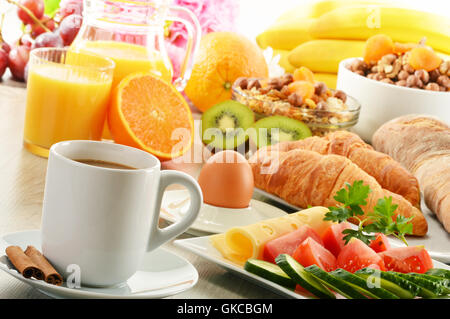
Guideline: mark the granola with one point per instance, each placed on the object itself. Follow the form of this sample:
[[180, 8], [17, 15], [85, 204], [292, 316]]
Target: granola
[[395, 68], [325, 111]]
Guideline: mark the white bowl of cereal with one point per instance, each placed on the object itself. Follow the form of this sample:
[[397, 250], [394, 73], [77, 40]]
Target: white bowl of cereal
[[382, 100]]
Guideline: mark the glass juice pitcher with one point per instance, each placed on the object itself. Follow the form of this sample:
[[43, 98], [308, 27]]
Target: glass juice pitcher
[[131, 33]]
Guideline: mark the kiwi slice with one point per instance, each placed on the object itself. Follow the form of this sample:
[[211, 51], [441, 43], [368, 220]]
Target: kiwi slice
[[274, 129], [224, 126]]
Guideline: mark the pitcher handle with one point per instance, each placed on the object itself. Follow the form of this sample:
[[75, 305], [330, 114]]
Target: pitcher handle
[[160, 236], [194, 35]]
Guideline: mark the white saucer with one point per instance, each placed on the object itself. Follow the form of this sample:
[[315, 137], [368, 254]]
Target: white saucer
[[161, 274], [213, 219]]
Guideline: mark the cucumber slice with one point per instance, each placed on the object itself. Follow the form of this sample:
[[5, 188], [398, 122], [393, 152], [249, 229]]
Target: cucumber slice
[[395, 284], [433, 287], [439, 272], [363, 286], [335, 284], [270, 272], [296, 271], [444, 282], [422, 292]]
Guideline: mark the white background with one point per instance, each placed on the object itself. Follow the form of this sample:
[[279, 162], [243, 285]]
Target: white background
[[255, 15]]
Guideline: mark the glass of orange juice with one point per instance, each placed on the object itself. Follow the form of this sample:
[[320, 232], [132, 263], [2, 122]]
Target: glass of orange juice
[[67, 97]]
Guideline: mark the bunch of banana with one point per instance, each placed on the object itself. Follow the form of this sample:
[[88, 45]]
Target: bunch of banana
[[323, 55], [286, 35], [292, 28], [401, 24], [329, 79], [321, 34]]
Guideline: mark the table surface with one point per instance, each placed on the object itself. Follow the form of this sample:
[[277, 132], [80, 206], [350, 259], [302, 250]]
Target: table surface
[[22, 179]]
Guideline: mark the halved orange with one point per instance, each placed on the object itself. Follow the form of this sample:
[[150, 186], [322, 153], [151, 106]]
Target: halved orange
[[150, 114]]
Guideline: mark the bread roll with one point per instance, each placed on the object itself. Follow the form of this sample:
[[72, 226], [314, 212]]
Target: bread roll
[[422, 144], [306, 178], [390, 174]]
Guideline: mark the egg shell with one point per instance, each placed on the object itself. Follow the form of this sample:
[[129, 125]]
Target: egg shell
[[226, 180]]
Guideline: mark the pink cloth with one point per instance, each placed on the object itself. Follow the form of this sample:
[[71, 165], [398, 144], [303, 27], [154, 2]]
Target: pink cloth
[[213, 15]]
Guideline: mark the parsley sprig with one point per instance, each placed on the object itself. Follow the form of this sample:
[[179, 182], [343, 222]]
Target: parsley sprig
[[381, 219]]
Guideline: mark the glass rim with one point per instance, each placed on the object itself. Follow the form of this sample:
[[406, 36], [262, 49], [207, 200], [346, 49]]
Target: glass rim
[[111, 64], [96, 11]]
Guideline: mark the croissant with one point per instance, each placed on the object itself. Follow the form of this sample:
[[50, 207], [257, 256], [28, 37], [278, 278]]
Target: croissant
[[422, 144], [306, 178], [390, 174]]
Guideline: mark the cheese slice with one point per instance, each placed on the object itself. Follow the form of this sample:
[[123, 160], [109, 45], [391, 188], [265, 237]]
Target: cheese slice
[[241, 243]]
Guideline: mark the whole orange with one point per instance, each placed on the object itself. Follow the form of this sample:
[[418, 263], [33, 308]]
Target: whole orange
[[222, 58]]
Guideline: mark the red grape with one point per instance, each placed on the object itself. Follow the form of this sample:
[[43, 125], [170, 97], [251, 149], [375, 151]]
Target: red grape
[[26, 40], [5, 47], [18, 59], [3, 62], [36, 29], [35, 6], [48, 39], [69, 28], [68, 7]]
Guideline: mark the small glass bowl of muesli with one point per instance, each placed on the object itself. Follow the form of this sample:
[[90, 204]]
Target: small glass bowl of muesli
[[324, 111]]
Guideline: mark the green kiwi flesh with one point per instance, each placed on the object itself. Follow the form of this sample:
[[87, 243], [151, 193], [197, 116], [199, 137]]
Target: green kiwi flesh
[[225, 124], [274, 129]]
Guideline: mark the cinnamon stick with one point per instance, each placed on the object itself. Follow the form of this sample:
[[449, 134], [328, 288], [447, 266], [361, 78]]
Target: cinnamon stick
[[50, 275], [23, 263]]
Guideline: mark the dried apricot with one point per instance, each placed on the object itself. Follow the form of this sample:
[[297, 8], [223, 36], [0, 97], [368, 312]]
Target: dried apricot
[[376, 47], [303, 74], [303, 88], [400, 48], [424, 58]]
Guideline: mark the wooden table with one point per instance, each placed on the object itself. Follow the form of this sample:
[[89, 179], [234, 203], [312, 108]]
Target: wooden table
[[22, 178]]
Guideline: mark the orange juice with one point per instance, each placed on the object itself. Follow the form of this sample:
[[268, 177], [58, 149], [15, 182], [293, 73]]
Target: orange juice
[[64, 102], [129, 58]]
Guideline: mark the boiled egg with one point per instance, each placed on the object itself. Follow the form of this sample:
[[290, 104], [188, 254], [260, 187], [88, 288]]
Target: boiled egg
[[226, 180]]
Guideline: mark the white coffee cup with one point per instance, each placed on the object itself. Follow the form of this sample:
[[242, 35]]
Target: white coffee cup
[[103, 220]]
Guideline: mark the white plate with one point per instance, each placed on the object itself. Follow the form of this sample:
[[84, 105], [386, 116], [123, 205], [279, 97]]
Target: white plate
[[212, 219], [202, 247], [437, 240], [161, 274]]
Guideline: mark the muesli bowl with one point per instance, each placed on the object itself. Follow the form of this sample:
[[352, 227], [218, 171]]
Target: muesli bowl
[[382, 102], [320, 121]]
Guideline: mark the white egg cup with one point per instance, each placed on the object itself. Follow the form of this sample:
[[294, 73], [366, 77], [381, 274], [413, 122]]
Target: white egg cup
[[214, 219]]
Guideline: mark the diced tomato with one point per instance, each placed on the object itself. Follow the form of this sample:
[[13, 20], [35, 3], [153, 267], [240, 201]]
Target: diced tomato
[[380, 243], [312, 253], [407, 259], [333, 238], [287, 243], [357, 255]]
